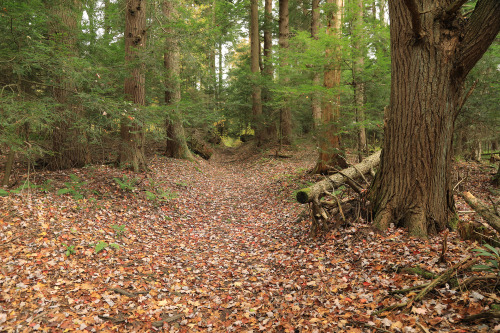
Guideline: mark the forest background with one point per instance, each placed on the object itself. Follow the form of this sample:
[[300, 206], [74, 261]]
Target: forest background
[[64, 67]]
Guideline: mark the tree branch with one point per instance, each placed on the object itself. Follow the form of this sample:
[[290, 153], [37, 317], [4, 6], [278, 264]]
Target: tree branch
[[454, 7], [480, 32], [415, 17]]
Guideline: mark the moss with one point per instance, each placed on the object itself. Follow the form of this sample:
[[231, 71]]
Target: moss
[[453, 222], [303, 195]]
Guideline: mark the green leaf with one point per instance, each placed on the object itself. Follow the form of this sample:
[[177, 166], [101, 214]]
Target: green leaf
[[64, 191], [114, 245], [491, 248], [481, 268], [100, 246], [3, 193], [482, 252]]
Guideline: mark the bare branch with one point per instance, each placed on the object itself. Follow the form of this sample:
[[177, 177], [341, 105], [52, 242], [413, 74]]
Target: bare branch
[[415, 17]]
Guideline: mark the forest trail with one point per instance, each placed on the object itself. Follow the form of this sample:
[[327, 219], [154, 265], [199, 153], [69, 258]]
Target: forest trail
[[221, 253]]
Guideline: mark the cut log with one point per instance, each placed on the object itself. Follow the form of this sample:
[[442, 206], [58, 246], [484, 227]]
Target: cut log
[[490, 217], [314, 192]]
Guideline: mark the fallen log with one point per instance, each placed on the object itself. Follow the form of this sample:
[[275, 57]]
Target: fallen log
[[490, 217], [314, 192]]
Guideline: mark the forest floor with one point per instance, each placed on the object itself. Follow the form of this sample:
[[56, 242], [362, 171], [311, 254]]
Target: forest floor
[[214, 246]]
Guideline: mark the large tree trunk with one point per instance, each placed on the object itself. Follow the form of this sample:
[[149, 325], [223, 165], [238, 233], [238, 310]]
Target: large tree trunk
[[255, 68], [329, 138], [286, 111], [69, 143], [316, 81], [176, 139], [131, 132], [432, 50]]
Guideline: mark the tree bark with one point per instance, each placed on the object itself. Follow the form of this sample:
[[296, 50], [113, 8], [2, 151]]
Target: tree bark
[[286, 111], [176, 139], [358, 83], [316, 81], [255, 68], [329, 139], [432, 52], [315, 191], [69, 143], [269, 125], [131, 132]]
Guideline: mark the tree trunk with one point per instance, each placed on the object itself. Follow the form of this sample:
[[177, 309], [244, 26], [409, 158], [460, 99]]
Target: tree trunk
[[176, 139], [269, 125], [254, 64], [432, 51], [359, 85], [316, 81], [69, 143], [285, 112], [329, 139], [131, 132]]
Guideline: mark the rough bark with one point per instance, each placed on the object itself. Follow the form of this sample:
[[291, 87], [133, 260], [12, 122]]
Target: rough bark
[[255, 68], [314, 192], [284, 34], [69, 144], [329, 138], [269, 125], [8, 167], [358, 83], [431, 51], [316, 81], [176, 139], [131, 132]]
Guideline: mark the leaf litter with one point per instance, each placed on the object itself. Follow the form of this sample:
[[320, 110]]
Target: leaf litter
[[225, 254]]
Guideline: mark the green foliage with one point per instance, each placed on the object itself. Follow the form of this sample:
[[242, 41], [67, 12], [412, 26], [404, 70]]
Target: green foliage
[[3, 193], [74, 187], [119, 229], [493, 260], [101, 245], [70, 249], [126, 183]]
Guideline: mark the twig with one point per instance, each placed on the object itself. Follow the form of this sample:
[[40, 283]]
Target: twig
[[466, 97], [128, 293], [424, 329], [407, 290], [175, 317]]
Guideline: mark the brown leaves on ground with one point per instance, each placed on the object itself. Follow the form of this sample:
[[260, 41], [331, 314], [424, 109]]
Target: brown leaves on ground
[[220, 252]]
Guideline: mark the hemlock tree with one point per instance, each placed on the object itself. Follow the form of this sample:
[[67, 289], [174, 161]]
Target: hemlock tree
[[255, 69], [176, 140], [433, 48], [329, 138], [131, 132], [284, 35]]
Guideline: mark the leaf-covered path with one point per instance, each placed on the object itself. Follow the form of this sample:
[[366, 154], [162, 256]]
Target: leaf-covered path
[[225, 253]]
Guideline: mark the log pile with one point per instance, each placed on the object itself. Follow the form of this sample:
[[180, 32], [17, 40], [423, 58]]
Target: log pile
[[322, 209]]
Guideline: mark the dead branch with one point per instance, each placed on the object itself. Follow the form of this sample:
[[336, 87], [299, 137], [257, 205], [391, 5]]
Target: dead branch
[[490, 217], [491, 314]]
